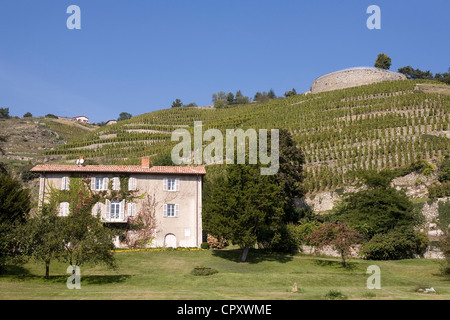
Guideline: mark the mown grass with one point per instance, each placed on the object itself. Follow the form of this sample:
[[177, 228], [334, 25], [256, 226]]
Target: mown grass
[[168, 275]]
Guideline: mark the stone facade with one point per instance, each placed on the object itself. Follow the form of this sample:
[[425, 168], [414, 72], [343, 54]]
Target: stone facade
[[179, 226], [352, 78]]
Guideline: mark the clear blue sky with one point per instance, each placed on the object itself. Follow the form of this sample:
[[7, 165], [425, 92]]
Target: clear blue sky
[[139, 56]]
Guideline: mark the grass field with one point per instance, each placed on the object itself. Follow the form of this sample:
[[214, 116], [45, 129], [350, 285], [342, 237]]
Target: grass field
[[167, 275]]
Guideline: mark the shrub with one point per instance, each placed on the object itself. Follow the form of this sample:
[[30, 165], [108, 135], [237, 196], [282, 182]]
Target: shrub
[[444, 245], [444, 170], [215, 243], [400, 243], [204, 245], [334, 294], [201, 270], [289, 239], [439, 190]]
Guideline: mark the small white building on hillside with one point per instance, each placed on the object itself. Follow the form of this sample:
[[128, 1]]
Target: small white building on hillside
[[81, 119]]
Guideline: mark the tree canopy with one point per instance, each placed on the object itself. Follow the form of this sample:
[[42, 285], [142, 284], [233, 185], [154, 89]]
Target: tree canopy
[[383, 62], [243, 206], [124, 116]]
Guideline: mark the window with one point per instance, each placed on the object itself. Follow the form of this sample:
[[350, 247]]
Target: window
[[171, 184], [65, 183], [132, 184], [115, 209], [116, 184], [131, 209], [64, 209], [99, 184], [171, 210]]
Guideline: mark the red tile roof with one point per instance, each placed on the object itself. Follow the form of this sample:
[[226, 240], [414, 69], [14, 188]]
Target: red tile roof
[[117, 169]]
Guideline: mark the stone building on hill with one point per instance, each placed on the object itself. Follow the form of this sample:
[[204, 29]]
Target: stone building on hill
[[353, 77]]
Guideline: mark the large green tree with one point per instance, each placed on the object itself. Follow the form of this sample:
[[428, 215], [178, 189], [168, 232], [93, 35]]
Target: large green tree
[[378, 209], [76, 239], [41, 237], [290, 174], [124, 116], [385, 217], [14, 207], [383, 61], [4, 113], [243, 205]]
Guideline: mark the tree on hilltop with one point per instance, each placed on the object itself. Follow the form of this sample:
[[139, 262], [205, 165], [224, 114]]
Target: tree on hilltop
[[383, 62], [124, 116]]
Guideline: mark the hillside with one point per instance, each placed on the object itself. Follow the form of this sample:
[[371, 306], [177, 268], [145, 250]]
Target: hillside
[[383, 125], [27, 139], [24, 142]]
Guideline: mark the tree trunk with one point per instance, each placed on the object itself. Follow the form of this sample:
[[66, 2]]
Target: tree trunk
[[343, 259], [244, 254], [47, 270]]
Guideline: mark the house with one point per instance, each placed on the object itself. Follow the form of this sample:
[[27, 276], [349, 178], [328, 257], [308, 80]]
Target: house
[[81, 119], [176, 191]]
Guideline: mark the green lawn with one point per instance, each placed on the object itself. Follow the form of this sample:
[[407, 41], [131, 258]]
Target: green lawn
[[167, 275]]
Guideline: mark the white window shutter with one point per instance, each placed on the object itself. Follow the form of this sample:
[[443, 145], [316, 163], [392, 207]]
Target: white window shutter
[[177, 184], [95, 209], [165, 210], [107, 209], [67, 183], [166, 184], [105, 183], [177, 210], [93, 183], [116, 183], [122, 210], [132, 184], [131, 209], [64, 209]]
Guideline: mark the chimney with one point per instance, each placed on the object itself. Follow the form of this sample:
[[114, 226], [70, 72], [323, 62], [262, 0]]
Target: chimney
[[145, 162]]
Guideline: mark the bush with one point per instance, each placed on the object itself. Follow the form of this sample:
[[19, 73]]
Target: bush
[[444, 245], [334, 294], [203, 271], [400, 243], [444, 170], [439, 190], [26, 175], [215, 243], [204, 245], [289, 239]]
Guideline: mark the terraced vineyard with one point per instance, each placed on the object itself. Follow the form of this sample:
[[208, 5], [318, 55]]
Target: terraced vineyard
[[388, 124]]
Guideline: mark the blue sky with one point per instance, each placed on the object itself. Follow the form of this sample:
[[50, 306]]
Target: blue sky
[[139, 56]]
